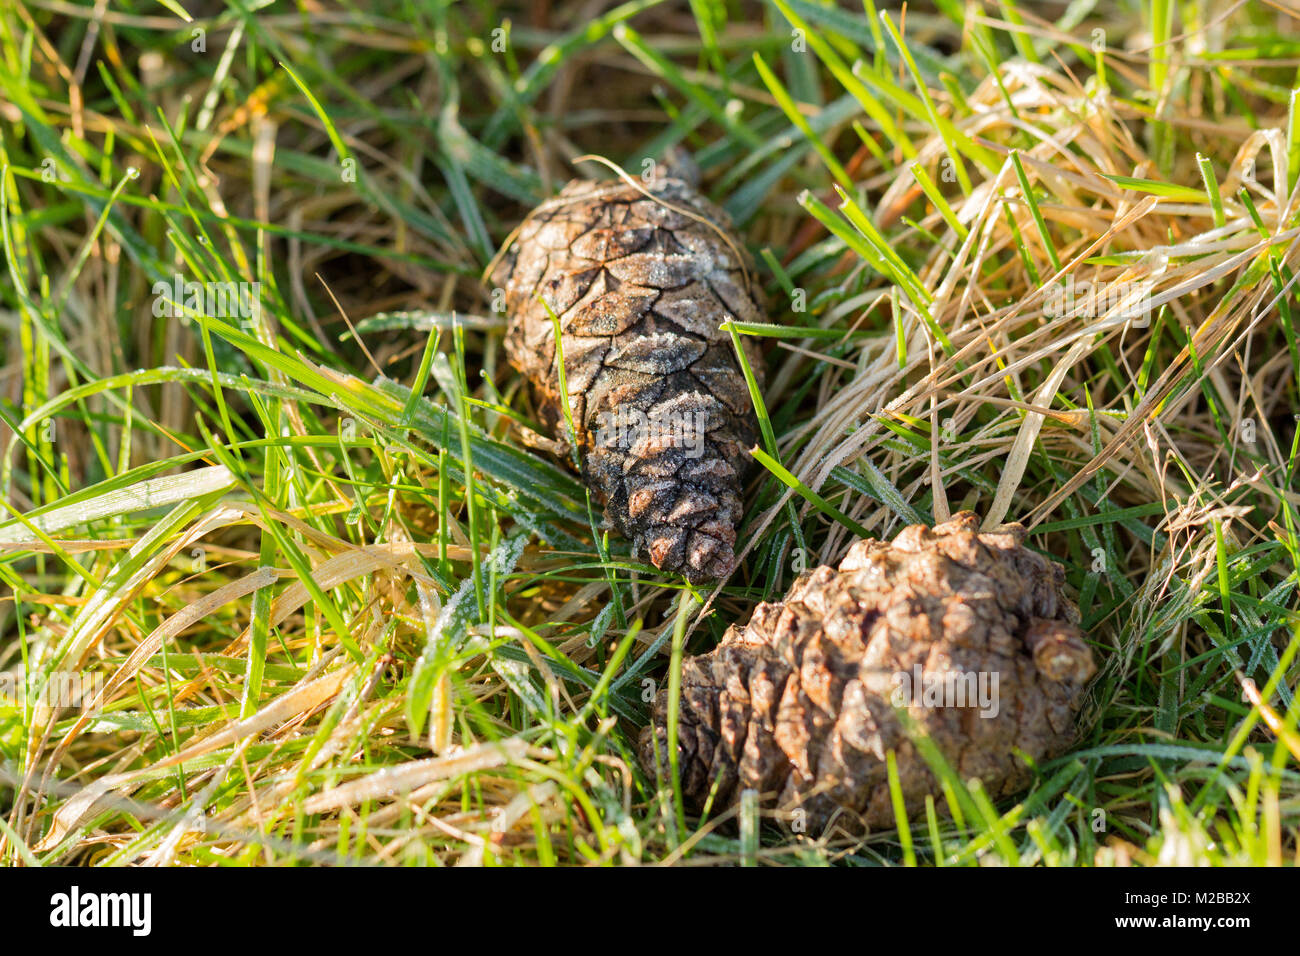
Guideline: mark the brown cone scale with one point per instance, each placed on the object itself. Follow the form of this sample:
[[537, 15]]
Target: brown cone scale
[[641, 282], [799, 704]]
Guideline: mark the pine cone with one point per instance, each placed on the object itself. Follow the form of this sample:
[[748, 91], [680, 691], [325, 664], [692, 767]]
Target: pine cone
[[660, 408], [969, 632]]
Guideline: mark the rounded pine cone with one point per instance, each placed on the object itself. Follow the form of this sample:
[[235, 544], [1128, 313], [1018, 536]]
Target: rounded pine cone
[[968, 632], [660, 408]]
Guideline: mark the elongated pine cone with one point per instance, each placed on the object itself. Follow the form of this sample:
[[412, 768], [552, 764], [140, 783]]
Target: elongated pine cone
[[660, 408], [968, 632]]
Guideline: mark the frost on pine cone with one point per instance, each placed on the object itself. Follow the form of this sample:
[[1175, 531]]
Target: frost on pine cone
[[660, 408], [968, 632]]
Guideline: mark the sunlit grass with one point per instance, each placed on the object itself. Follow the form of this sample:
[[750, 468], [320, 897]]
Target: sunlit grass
[[338, 600]]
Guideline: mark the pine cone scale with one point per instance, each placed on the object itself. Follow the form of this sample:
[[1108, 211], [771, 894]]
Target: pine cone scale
[[653, 385]]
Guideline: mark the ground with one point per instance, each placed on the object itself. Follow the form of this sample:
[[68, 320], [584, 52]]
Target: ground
[[291, 574]]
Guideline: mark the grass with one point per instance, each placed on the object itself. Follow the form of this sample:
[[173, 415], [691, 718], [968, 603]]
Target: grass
[[341, 601]]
